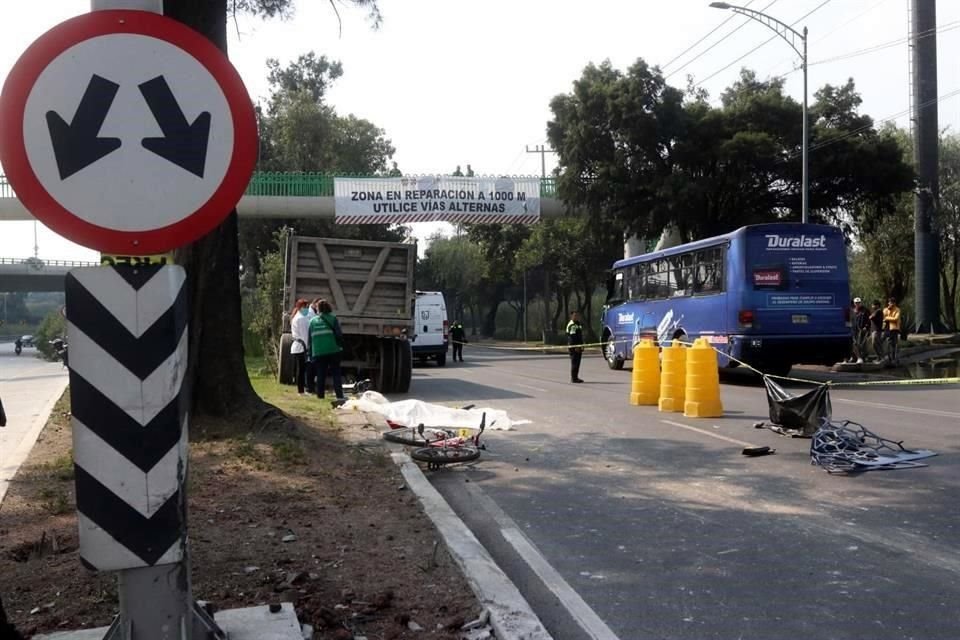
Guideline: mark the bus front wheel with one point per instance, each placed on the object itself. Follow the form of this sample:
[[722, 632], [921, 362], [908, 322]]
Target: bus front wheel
[[614, 361]]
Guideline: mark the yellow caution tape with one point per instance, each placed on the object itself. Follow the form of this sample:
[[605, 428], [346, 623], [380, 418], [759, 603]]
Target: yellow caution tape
[[866, 383]]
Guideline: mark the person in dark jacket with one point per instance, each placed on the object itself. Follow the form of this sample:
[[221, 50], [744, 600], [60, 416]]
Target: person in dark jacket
[[574, 340], [861, 329], [7, 630], [459, 337], [326, 339]]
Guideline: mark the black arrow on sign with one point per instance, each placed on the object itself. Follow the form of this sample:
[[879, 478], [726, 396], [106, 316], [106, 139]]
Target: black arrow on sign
[[76, 145], [183, 144]]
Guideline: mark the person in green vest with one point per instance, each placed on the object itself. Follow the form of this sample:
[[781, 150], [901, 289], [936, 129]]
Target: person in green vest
[[574, 340], [459, 338], [326, 344]]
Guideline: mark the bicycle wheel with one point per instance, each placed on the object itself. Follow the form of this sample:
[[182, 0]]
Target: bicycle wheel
[[410, 437], [436, 456]]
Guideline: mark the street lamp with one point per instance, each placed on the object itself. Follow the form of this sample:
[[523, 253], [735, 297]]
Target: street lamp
[[790, 35]]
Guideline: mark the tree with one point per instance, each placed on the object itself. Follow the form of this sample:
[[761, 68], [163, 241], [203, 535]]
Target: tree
[[633, 151], [499, 245], [948, 228], [300, 132], [455, 267], [216, 369]]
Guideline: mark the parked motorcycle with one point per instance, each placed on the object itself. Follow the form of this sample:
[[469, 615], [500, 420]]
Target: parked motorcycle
[[60, 349]]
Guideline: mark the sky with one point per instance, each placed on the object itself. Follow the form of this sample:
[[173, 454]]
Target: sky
[[455, 82]]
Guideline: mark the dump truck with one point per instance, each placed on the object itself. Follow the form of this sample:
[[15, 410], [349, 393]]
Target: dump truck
[[370, 285]]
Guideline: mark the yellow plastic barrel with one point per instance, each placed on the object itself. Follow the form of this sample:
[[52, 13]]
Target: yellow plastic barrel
[[645, 382], [673, 377], [702, 392]]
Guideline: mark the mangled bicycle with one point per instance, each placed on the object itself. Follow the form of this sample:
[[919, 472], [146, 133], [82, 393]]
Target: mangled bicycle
[[437, 446]]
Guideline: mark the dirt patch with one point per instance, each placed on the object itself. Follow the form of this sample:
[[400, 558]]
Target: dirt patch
[[315, 515]]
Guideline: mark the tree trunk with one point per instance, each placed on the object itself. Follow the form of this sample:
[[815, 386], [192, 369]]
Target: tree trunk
[[490, 322], [216, 371]]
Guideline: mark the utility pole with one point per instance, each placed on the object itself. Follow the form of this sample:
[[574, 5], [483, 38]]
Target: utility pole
[[926, 158], [543, 150]]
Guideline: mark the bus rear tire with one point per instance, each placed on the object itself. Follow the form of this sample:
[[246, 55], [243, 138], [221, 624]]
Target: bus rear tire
[[781, 369]]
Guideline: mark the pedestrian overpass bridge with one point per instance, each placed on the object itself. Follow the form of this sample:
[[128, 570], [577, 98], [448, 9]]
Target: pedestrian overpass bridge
[[269, 195], [34, 274], [281, 195]]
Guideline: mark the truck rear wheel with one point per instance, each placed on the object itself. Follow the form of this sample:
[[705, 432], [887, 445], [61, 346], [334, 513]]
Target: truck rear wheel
[[404, 366], [385, 376], [285, 365]]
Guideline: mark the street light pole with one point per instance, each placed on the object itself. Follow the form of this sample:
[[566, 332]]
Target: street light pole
[[791, 36]]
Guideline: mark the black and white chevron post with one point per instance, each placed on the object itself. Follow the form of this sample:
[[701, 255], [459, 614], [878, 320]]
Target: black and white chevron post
[[127, 335]]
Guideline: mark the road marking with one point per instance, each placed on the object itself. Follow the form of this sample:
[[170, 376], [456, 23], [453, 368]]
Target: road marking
[[527, 386], [581, 612], [707, 433], [896, 407]]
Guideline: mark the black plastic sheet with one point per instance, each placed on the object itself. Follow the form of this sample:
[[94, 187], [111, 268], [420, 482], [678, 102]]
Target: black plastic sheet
[[797, 415]]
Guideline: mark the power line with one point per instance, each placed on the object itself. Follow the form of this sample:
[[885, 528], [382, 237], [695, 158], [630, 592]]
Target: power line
[[890, 118], [709, 33], [833, 31], [950, 26], [773, 37], [707, 50], [886, 45]]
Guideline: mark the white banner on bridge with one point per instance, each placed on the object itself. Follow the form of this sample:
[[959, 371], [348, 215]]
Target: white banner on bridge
[[436, 198]]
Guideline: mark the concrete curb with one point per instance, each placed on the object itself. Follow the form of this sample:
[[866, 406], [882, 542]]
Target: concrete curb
[[510, 614]]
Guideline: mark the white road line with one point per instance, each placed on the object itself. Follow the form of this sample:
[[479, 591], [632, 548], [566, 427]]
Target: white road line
[[896, 407], [581, 612], [707, 433], [527, 386]]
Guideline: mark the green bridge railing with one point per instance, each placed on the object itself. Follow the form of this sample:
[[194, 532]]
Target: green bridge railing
[[292, 184]]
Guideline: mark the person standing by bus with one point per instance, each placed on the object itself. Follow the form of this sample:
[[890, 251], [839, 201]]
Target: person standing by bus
[[326, 340], [574, 340], [861, 329], [876, 328], [459, 338], [891, 325]]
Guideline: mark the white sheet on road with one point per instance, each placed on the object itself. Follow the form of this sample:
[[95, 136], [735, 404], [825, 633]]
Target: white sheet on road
[[411, 413]]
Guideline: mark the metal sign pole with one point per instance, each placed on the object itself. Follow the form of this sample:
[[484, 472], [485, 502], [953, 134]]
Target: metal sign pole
[[156, 602]]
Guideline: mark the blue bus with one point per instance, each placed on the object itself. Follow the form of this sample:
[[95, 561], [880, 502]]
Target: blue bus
[[771, 295]]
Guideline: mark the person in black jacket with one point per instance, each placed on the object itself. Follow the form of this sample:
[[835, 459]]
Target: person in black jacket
[[574, 339], [459, 338], [7, 630]]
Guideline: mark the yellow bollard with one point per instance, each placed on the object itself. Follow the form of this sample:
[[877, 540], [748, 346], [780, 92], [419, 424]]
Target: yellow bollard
[[702, 382], [645, 382], [673, 377]]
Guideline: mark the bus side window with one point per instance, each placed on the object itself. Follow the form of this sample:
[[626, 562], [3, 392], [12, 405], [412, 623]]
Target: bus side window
[[709, 271], [658, 279]]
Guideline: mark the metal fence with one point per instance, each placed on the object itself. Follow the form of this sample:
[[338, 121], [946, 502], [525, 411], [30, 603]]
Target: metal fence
[[38, 264], [293, 184]]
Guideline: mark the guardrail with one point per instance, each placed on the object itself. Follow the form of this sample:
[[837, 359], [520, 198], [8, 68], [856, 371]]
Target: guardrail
[[39, 265], [294, 184]]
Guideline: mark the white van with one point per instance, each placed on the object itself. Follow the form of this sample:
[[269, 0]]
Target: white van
[[433, 329]]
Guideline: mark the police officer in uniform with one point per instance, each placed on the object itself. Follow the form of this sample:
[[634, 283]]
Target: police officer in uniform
[[459, 337], [574, 339]]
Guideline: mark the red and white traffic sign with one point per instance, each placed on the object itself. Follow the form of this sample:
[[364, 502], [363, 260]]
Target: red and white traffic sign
[[127, 132]]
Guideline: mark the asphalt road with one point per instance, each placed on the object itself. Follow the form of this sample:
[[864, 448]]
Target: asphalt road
[[622, 522], [29, 388]]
